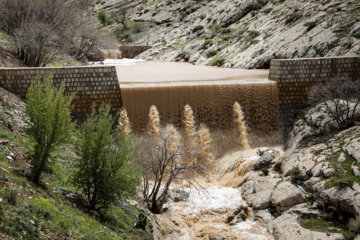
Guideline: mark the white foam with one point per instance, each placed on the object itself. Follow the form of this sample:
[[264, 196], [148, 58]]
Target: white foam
[[245, 225], [215, 198], [118, 62]]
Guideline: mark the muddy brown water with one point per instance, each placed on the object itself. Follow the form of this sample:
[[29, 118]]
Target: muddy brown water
[[210, 91]]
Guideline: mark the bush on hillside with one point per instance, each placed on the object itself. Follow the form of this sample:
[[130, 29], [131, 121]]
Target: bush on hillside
[[102, 17], [103, 171], [49, 112]]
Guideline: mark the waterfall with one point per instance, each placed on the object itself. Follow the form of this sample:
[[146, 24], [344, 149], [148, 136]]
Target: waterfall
[[241, 127], [211, 104]]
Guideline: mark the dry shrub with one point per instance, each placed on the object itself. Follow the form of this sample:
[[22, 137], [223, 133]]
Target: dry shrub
[[341, 97]]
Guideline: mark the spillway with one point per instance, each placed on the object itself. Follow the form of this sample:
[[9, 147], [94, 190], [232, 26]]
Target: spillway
[[210, 91]]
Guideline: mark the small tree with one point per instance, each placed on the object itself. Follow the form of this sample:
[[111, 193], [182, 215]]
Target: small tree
[[121, 17], [164, 161], [102, 17], [103, 171], [49, 111], [341, 97]]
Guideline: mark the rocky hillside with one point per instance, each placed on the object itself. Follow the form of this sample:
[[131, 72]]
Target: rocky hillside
[[242, 33], [53, 210], [312, 191]]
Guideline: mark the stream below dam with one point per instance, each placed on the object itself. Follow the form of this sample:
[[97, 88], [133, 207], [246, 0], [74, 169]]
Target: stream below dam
[[204, 213]]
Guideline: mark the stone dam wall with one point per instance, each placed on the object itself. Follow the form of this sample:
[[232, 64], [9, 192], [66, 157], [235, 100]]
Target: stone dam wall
[[100, 84], [90, 84], [295, 77], [132, 51]]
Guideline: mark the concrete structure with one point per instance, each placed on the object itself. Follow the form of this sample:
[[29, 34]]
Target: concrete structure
[[100, 84], [295, 77], [132, 51], [90, 84]]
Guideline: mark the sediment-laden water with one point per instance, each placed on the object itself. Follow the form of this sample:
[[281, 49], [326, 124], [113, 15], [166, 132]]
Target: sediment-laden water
[[205, 212], [211, 92]]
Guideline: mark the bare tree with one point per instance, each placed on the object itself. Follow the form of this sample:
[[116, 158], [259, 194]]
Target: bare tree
[[341, 97], [42, 29], [36, 44], [164, 161], [120, 17]]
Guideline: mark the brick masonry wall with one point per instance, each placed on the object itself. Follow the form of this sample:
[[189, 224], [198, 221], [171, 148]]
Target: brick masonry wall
[[295, 77], [90, 84]]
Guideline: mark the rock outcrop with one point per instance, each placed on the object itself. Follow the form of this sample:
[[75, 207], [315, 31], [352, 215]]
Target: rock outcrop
[[316, 180]]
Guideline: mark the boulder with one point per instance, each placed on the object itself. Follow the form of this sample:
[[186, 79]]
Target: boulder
[[355, 170], [3, 142], [263, 216], [264, 161], [257, 193], [26, 172], [178, 195], [356, 31], [217, 236], [352, 146], [239, 215], [286, 194]]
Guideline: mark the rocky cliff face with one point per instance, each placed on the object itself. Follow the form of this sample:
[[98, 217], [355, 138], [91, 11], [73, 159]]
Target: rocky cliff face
[[245, 33]]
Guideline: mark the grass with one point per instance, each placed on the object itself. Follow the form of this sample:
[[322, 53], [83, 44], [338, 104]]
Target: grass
[[322, 225], [64, 63], [343, 175], [349, 229], [6, 134], [7, 41]]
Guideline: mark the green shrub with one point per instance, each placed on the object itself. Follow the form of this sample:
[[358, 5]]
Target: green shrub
[[49, 112], [215, 28], [102, 17], [293, 17], [310, 25], [133, 28], [19, 223], [265, 171], [206, 44], [202, 16], [267, 10], [102, 170], [211, 53], [11, 196], [197, 28], [253, 33], [219, 61]]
